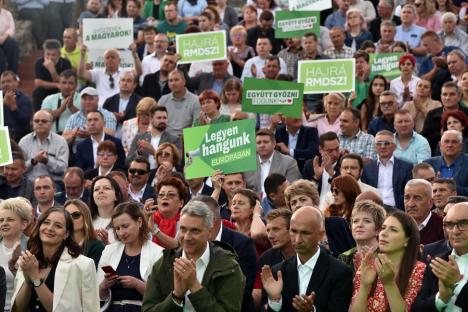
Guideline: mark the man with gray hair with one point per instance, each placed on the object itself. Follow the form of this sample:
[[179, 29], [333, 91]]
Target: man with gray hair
[[450, 34], [453, 163], [385, 14], [418, 204], [197, 276]]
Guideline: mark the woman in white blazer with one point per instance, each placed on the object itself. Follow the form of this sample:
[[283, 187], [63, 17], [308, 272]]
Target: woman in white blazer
[[52, 263], [131, 258]]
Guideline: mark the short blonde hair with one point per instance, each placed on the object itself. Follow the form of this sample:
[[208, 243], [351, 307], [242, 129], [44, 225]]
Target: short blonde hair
[[145, 104], [20, 206], [238, 29], [302, 187]]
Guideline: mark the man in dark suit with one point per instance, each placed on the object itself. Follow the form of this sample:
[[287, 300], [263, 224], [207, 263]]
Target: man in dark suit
[[214, 80], [244, 247], [312, 280], [418, 204], [197, 186], [147, 143], [388, 174], [123, 104], [297, 140], [156, 85], [453, 163], [86, 151], [139, 189], [74, 182], [444, 286]]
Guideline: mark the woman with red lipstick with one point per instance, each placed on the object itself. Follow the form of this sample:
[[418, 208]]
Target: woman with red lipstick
[[390, 279], [132, 257]]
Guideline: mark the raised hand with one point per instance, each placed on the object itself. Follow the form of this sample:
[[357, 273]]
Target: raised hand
[[272, 287], [367, 269], [385, 269]]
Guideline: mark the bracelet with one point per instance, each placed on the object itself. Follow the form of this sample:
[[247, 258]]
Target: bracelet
[[177, 298]]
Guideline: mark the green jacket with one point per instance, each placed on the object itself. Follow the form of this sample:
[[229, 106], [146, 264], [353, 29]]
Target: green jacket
[[347, 258], [223, 284], [148, 10]]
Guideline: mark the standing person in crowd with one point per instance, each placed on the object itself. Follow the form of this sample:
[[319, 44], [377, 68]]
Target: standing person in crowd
[[356, 32], [152, 52], [388, 105], [239, 52], [17, 108], [132, 257], [421, 104], [14, 183], [47, 70], [264, 29], [138, 125], [325, 285], [15, 216], [444, 285], [408, 32], [418, 204], [159, 78], [34, 11], [83, 230], [367, 218], [71, 48], [427, 16], [385, 15], [105, 195], [345, 189], [199, 274], [172, 24], [52, 263], [9, 48], [370, 106], [63, 104], [405, 86], [334, 104], [45, 151], [392, 278]]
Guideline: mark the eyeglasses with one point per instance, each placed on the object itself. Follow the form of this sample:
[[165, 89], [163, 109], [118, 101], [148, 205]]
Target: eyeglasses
[[76, 215], [105, 154], [335, 191], [383, 143], [168, 195], [462, 225], [135, 171], [41, 121], [164, 154], [111, 82]]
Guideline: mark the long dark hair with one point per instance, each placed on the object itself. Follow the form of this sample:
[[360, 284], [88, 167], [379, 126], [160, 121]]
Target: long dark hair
[[35, 243], [371, 103], [350, 189], [92, 204]]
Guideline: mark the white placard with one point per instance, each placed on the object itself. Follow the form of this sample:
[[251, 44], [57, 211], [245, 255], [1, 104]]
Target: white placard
[[105, 33]]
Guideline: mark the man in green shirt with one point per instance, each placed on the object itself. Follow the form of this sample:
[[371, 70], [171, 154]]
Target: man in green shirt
[[173, 25]]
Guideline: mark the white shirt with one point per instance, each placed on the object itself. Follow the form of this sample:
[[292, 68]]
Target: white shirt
[[265, 171], [220, 232], [259, 64], [385, 183], [95, 146], [155, 143], [5, 256], [150, 64], [105, 224], [200, 265], [292, 142], [305, 273], [462, 262], [103, 85], [425, 222], [137, 196]]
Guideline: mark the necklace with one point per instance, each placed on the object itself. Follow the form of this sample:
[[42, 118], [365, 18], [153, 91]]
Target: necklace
[[129, 262]]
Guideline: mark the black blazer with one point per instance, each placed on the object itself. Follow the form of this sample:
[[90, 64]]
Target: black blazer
[[425, 301], [112, 105], [436, 249], [246, 254], [307, 146], [61, 198], [308, 172], [85, 158], [401, 175], [331, 280], [151, 87]]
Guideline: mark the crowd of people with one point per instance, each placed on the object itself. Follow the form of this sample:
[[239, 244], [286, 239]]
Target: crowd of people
[[361, 204]]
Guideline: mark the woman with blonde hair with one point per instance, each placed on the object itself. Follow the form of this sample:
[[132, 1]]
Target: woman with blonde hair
[[356, 29], [334, 104], [239, 52], [138, 125], [83, 229], [426, 15]]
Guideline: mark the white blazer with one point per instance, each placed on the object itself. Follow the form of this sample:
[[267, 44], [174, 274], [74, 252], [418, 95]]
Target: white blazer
[[78, 276], [150, 253]]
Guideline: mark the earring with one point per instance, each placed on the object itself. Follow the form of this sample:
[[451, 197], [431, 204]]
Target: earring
[[406, 245]]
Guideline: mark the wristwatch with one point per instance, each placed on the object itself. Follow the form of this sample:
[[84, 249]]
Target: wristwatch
[[37, 282]]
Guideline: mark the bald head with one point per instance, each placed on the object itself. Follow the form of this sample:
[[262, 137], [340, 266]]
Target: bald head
[[309, 214], [306, 230]]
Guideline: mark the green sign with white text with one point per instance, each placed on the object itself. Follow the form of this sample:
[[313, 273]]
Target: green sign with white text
[[201, 47], [324, 76], [229, 147], [272, 96], [5, 148], [290, 24], [386, 64]]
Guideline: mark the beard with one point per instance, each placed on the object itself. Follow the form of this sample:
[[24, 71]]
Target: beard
[[161, 127]]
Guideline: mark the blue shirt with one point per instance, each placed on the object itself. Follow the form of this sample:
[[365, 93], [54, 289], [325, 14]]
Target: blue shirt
[[410, 35], [337, 18], [427, 65], [448, 171], [417, 150], [380, 123], [186, 9]]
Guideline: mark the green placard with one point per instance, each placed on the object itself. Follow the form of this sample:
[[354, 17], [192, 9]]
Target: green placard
[[201, 47], [272, 96], [296, 23], [5, 148], [386, 64], [229, 147], [324, 76]]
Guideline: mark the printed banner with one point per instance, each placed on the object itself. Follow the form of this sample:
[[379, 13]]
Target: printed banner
[[105, 33], [324, 76], [2, 121], [309, 5], [385, 64], [290, 24], [272, 96], [229, 147], [96, 58], [5, 148], [201, 47]]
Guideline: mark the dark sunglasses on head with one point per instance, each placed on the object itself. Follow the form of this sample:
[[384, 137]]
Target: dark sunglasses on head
[[111, 82], [75, 215], [139, 171]]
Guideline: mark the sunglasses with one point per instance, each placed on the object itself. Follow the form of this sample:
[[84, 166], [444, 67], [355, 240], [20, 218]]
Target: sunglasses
[[111, 82], [335, 191], [164, 154], [135, 171], [76, 215], [40, 121]]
